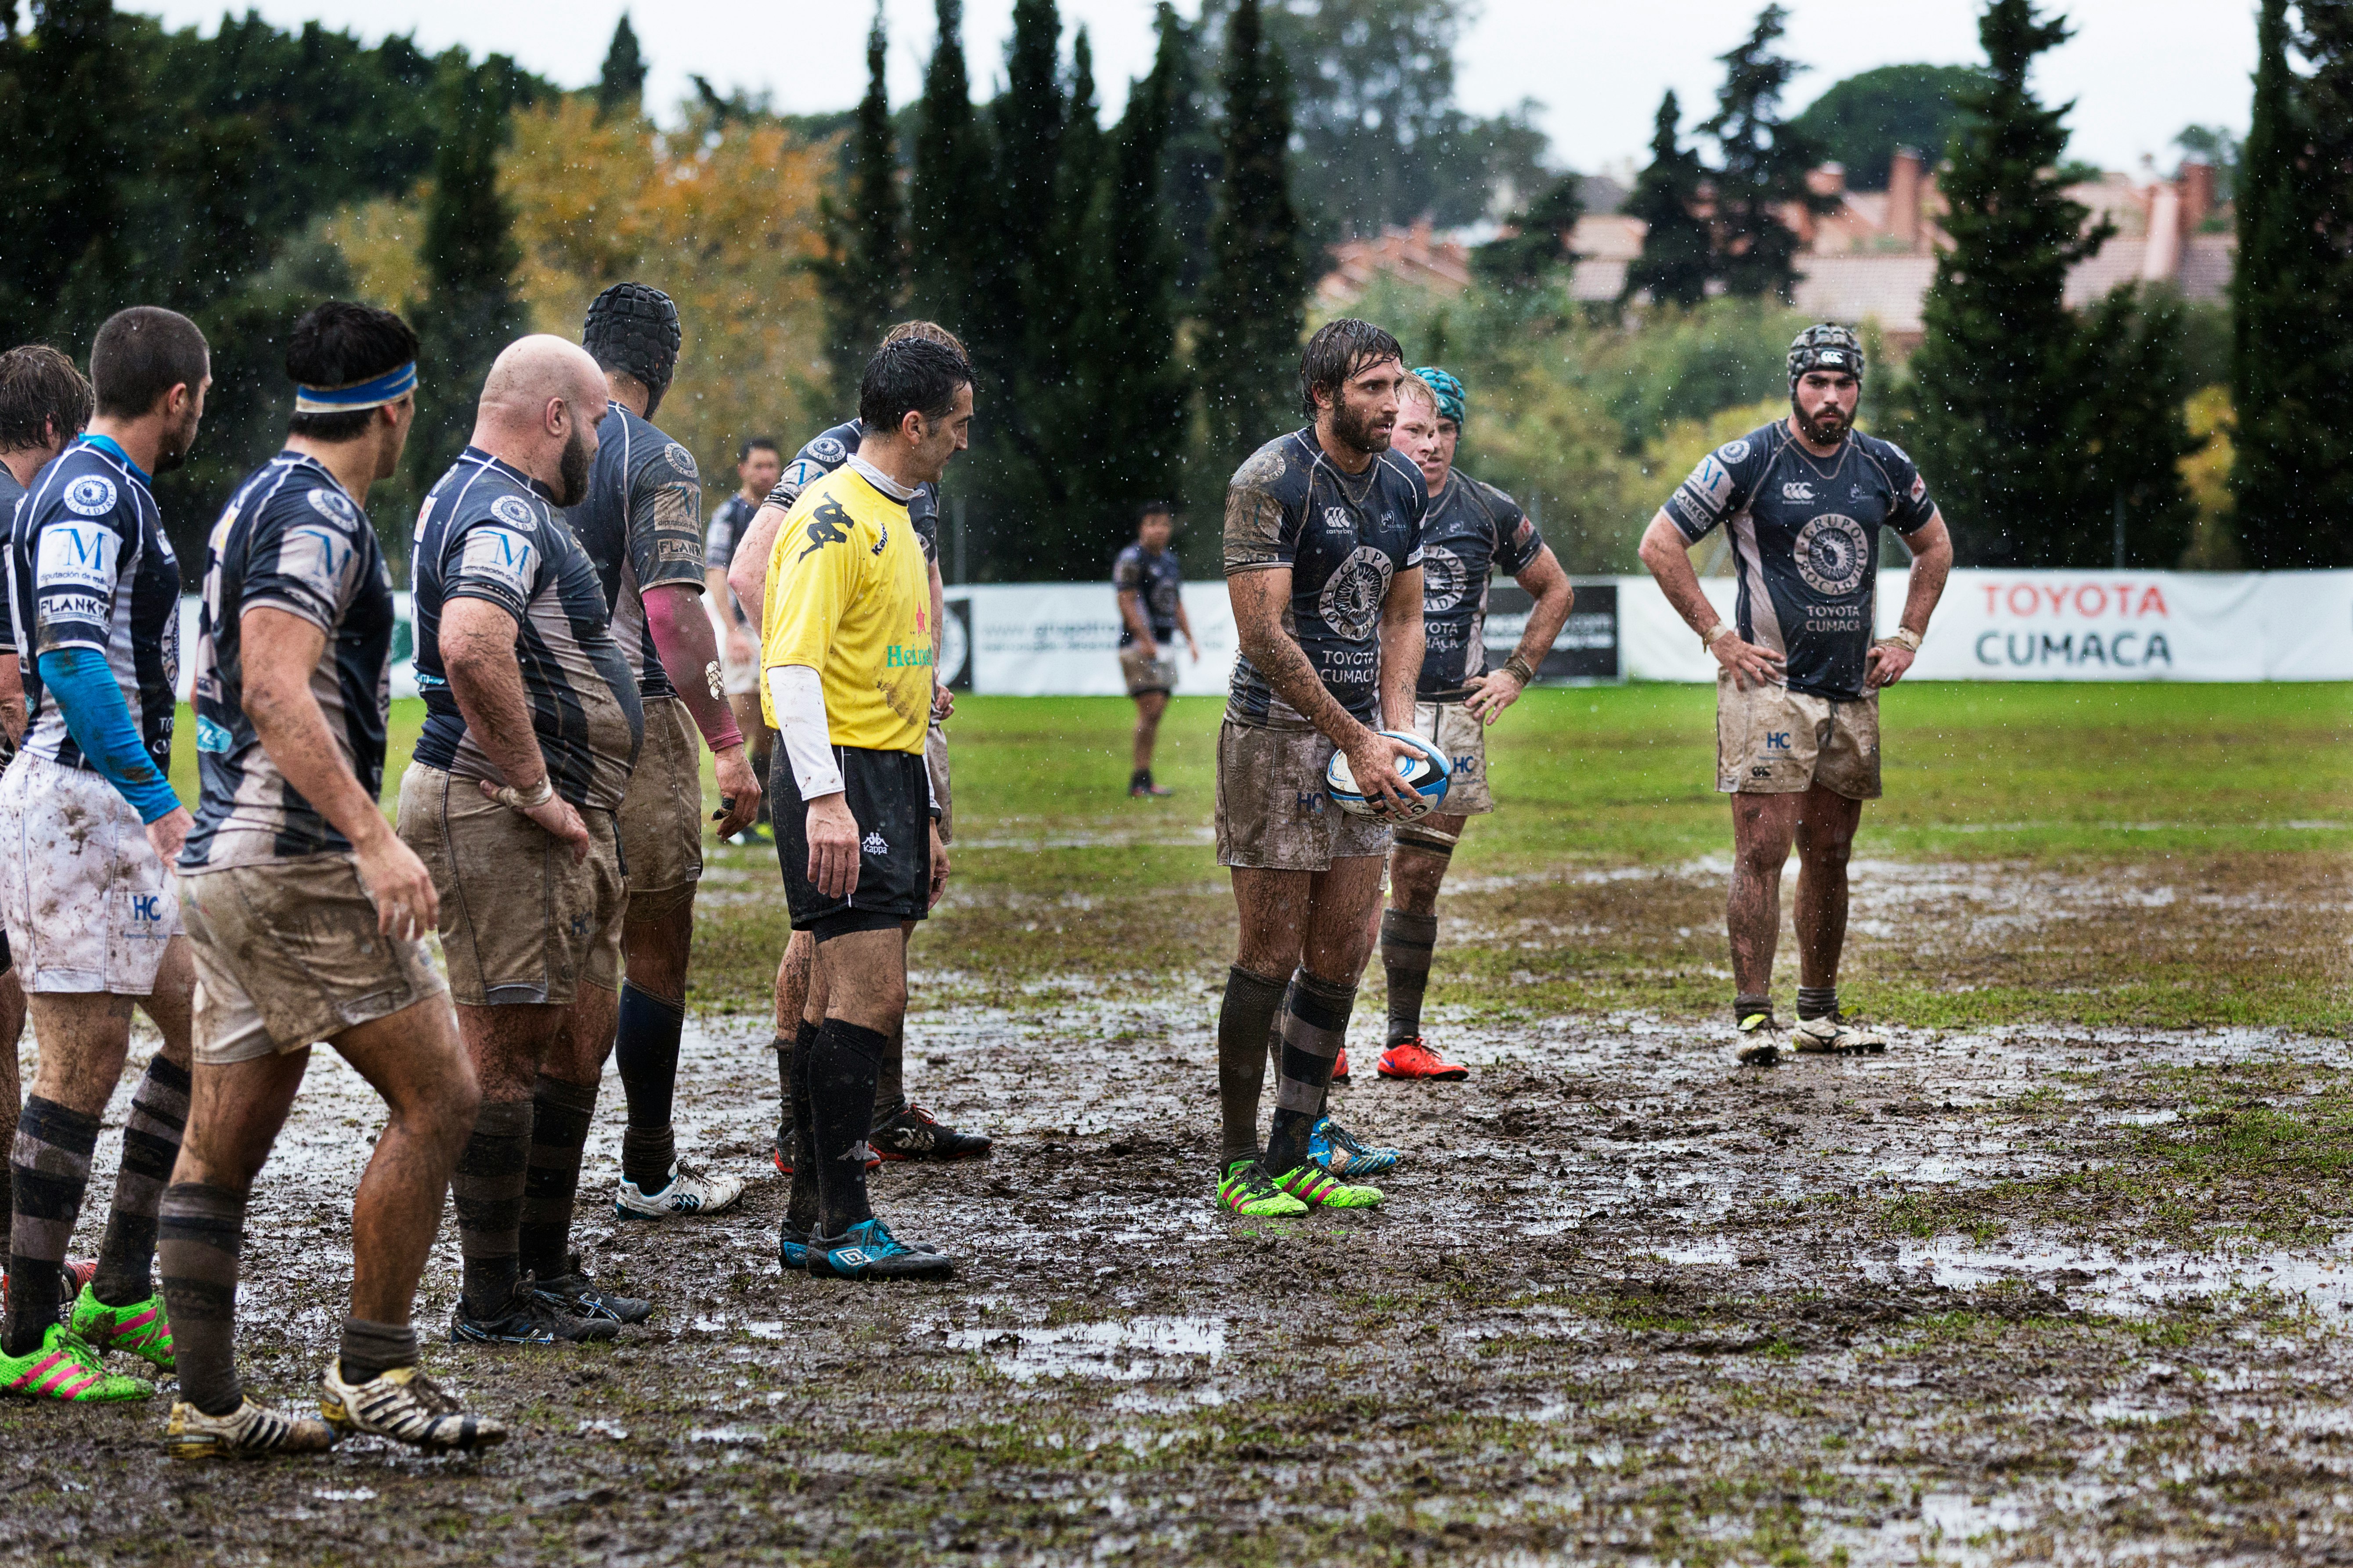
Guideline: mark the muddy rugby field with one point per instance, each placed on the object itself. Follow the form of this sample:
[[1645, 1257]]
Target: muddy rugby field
[[2058, 1278]]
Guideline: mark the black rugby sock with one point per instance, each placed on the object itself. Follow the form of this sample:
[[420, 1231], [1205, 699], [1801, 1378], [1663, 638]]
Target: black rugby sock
[[1817, 1002], [1244, 1019], [200, 1231], [801, 1207], [644, 1052], [371, 1349], [844, 1061], [560, 1115], [150, 1143], [1746, 1008], [1315, 1028], [487, 1189], [1407, 941], [51, 1170]]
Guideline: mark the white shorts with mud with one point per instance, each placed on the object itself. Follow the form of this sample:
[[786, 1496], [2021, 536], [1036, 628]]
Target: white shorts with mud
[[1770, 740], [89, 905]]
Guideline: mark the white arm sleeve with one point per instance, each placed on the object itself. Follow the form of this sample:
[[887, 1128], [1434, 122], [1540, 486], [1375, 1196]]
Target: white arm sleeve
[[799, 698]]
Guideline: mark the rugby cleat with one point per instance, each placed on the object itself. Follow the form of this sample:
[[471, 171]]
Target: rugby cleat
[[1342, 1154], [64, 1368], [911, 1132], [1320, 1189], [793, 1247], [868, 1250], [1248, 1191], [1757, 1046], [1141, 787], [573, 1292], [72, 1275], [526, 1319], [689, 1192], [1414, 1058], [1340, 1067], [406, 1406], [248, 1431], [1836, 1036], [140, 1329]]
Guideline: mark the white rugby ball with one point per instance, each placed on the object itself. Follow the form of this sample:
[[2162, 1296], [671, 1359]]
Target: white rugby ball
[[1423, 769]]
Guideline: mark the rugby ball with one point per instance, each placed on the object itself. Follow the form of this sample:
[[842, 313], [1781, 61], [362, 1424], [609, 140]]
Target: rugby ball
[[1424, 771]]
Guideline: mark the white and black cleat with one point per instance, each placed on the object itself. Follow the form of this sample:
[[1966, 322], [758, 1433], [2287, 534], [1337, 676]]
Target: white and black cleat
[[691, 1191], [406, 1406], [248, 1431], [1835, 1036]]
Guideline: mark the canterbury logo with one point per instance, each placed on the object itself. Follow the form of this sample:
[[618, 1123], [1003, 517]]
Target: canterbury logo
[[828, 524]]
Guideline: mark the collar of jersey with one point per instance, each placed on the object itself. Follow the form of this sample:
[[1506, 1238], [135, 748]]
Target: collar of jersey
[[113, 448], [881, 482], [489, 460]]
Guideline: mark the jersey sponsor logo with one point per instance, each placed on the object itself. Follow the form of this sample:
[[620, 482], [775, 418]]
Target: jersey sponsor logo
[[500, 557], [92, 495], [884, 543], [211, 735], [828, 524], [513, 510], [828, 450], [1733, 452], [1350, 602], [1919, 492], [333, 507], [1338, 520], [1710, 485], [874, 844], [1443, 579], [680, 459], [318, 554], [1901, 454], [74, 554], [1797, 489], [802, 473], [1831, 552], [676, 549], [900, 657], [71, 609]]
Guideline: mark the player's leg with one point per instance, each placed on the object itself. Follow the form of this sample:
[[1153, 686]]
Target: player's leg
[[1764, 826], [1271, 907], [792, 1032], [903, 1128], [1335, 942], [12, 1088], [1149, 707], [1409, 937], [1825, 843]]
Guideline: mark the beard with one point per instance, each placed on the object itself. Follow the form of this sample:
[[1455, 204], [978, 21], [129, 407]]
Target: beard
[[1825, 427], [572, 470], [174, 452], [1358, 432]]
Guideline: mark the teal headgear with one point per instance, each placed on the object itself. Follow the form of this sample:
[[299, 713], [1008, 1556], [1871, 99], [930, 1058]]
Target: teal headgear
[[1448, 391]]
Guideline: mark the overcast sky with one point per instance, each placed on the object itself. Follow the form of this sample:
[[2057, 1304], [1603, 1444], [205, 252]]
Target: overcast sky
[[2139, 69]]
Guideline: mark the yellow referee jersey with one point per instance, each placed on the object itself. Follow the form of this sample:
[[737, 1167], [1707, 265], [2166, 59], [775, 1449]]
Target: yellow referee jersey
[[850, 597]]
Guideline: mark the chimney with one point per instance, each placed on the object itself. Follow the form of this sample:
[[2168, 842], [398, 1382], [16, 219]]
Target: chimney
[[2162, 258], [2197, 181], [1827, 179], [1903, 197]]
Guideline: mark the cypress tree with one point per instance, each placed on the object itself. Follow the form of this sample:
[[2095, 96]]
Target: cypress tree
[[2137, 383], [948, 215], [1191, 158], [1258, 279], [863, 274], [1026, 125], [1673, 266], [65, 98], [621, 88], [1542, 244], [1999, 375], [1764, 161]]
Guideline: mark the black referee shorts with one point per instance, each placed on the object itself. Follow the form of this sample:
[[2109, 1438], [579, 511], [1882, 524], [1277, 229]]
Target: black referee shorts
[[889, 794]]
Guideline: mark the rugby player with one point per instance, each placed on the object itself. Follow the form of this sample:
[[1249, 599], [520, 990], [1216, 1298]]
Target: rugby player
[[532, 724], [904, 1129], [1472, 530], [88, 827], [757, 465], [1151, 613], [44, 404], [1323, 548], [642, 525], [1797, 714], [308, 915], [846, 650]]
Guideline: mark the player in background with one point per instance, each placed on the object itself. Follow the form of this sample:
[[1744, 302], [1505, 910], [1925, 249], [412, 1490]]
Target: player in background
[[1151, 613], [1323, 553], [44, 404], [1473, 530], [89, 825], [903, 1128], [757, 465], [642, 525], [532, 724], [1797, 700], [307, 914], [847, 648]]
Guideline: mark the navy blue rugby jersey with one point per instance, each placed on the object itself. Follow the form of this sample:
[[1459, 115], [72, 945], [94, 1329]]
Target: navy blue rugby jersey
[[88, 566], [1344, 536], [1472, 531], [828, 452], [1805, 538], [488, 532], [11, 492], [729, 523], [642, 525], [1156, 580], [291, 538]]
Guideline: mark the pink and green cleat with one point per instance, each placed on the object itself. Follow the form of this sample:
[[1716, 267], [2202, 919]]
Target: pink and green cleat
[[67, 1369], [140, 1328], [1320, 1189]]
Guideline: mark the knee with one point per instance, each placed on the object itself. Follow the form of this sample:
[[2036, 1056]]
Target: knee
[[1762, 861], [1822, 853]]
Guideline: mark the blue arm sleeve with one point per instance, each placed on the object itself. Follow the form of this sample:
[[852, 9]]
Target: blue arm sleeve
[[98, 720]]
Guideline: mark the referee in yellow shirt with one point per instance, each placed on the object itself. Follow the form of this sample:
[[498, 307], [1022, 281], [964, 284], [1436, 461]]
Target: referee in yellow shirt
[[846, 655]]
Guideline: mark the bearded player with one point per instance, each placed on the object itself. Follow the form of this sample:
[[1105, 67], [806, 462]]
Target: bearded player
[[1796, 700]]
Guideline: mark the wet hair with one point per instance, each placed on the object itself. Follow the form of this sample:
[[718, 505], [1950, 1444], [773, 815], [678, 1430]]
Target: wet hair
[[913, 376], [1338, 350], [1149, 510], [1421, 390], [141, 353], [39, 385], [337, 344], [930, 331], [758, 443]]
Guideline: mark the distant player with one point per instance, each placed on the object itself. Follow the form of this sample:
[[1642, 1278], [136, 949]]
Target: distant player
[[642, 525], [757, 463], [44, 404], [1323, 549], [532, 724], [904, 1129], [88, 827], [1473, 530], [1151, 613], [1796, 717], [307, 914], [847, 646]]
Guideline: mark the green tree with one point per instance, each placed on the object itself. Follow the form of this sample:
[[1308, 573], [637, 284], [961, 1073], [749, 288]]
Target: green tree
[[1250, 344], [949, 214], [621, 86], [1192, 156], [1677, 249], [1861, 121], [1542, 244], [1762, 163], [2137, 383], [63, 114], [1999, 375], [863, 275]]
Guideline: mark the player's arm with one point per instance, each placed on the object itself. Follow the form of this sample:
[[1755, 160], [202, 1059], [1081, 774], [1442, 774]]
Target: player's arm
[[720, 598], [797, 632], [1130, 611], [476, 641], [943, 700], [278, 652], [1184, 625], [1403, 642], [12, 697], [1667, 554], [1932, 564], [747, 573], [666, 548], [1544, 581]]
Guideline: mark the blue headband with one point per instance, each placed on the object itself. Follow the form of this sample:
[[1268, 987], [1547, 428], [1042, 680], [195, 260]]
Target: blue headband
[[390, 387]]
